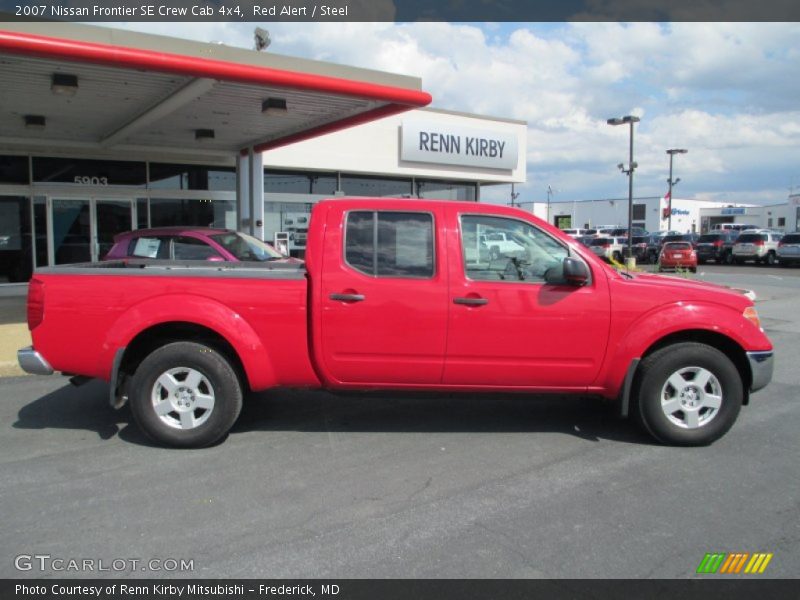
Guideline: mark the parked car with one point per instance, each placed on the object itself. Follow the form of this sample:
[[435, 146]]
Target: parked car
[[759, 245], [737, 227], [716, 246], [677, 255], [192, 243], [576, 233], [500, 244], [387, 301], [645, 248], [608, 247], [789, 249]]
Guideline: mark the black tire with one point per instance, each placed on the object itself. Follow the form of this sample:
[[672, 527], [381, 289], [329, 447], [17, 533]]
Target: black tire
[[651, 386], [218, 380], [770, 260], [728, 258], [738, 261], [701, 261], [693, 269]]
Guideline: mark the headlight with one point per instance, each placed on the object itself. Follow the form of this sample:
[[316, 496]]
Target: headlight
[[751, 315]]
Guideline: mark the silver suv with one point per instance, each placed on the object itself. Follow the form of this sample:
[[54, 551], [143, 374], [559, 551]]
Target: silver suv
[[789, 249], [608, 247], [759, 245]]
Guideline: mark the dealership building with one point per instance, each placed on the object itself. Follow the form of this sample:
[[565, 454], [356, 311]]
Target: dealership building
[[653, 214], [103, 130]]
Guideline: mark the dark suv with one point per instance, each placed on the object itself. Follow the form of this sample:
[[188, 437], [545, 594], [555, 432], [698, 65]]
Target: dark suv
[[716, 246]]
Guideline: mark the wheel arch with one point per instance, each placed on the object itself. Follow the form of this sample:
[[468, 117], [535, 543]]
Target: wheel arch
[[156, 336], [728, 346]]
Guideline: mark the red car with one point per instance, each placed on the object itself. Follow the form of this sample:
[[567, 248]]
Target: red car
[[675, 255], [193, 243]]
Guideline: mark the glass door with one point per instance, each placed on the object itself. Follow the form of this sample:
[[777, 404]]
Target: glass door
[[83, 229], [71, 235], [111, 217]]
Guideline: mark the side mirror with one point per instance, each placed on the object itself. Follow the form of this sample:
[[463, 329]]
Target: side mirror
[[571, 272]]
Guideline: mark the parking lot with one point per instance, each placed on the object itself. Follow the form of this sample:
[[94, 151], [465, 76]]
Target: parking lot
[[311, 484]]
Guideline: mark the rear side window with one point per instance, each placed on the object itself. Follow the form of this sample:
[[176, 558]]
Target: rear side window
[[186, 248], [792, 238], [749, 238], [390, 244], [149, 247], [678, 246]]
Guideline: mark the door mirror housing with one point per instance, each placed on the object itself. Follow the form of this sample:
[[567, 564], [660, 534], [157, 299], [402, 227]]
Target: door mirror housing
[[571, 272]]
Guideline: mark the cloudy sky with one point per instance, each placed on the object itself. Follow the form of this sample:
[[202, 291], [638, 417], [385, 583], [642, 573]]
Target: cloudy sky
[[728, 92]]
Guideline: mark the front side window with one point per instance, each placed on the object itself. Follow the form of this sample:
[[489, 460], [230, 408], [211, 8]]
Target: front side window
[[245, 247], [390, 244], [501, 249]]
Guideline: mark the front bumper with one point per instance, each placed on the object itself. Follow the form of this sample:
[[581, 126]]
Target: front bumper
[[32, 362], [761, 366]]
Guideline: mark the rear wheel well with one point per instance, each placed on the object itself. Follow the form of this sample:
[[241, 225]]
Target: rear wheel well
[[719, 341], [157, 336]]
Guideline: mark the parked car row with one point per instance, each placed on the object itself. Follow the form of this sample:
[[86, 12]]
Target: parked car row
[[723, 246]]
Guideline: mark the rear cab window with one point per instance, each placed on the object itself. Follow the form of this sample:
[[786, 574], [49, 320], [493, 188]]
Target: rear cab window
[[390, 243]]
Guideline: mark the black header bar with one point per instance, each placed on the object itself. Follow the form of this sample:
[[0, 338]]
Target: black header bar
[[400, 10]]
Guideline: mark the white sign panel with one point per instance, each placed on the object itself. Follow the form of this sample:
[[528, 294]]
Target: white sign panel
[[447, 145]]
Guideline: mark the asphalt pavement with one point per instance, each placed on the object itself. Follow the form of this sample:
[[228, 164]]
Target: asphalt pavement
[[310, 484]]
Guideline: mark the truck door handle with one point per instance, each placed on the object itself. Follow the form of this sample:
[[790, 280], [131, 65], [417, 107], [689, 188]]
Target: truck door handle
[[471, 301], [348, 297]]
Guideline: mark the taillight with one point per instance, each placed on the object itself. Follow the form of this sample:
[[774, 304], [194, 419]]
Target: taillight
[[780, 244], [758, 243], [718, 243], [35, 303]]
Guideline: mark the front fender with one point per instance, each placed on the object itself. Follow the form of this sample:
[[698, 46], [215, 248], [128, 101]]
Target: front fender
[[198, 310], [662, 321]]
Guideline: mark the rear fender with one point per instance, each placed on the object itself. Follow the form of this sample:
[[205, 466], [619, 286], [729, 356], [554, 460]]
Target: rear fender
[[201, 311]]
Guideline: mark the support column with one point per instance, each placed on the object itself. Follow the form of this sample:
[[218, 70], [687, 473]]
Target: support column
[[256, 191], [242, 193]]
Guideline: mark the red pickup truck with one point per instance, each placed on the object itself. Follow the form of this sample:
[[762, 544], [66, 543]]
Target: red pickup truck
[[401, 294]]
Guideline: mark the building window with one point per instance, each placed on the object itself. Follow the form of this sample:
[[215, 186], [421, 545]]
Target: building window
[[639, 212], [445, 190], [165, 212], [16, 260], [362, 185], [769, 222], [400, 245], [89, 172], [298, 182], [192, 177], [14, 170], [781, 221]]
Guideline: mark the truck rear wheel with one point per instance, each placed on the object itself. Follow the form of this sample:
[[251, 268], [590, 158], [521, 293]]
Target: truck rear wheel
[[185, 394], [689, 394]]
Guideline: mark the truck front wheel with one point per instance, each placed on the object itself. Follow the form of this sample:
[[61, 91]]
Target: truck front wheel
[[185, 394], [689, 394]]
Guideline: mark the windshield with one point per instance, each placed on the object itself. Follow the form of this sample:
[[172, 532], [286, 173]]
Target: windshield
[[710, 237], [245, 247]]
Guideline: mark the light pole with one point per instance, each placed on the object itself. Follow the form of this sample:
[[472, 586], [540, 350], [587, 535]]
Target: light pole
[[549, 193], [672, 152], [629, 119]]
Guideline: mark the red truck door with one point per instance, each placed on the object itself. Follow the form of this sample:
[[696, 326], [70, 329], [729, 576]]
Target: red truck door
[[383, 296], [507, 327]]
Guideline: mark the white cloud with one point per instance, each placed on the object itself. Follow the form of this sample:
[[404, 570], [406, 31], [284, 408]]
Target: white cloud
[[726, 91]]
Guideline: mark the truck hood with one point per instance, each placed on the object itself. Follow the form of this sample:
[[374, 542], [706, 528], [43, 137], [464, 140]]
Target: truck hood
[[677, 288]]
